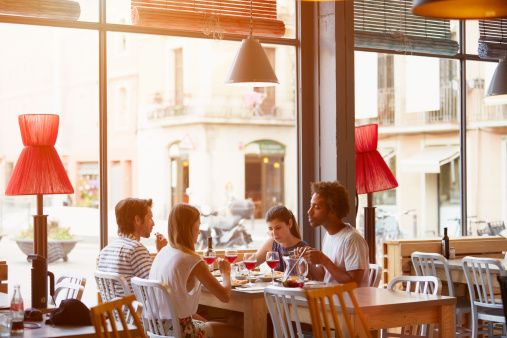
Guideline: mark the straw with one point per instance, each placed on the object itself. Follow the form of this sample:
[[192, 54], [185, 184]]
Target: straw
[[299, 258]]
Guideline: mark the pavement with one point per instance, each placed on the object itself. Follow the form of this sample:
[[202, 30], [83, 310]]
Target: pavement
[[82, 261]]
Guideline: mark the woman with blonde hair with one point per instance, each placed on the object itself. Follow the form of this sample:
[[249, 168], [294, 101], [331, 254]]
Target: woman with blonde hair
[[184, 271]]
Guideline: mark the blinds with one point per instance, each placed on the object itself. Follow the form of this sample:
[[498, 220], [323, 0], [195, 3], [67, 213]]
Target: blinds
[[493, 39], [48, 9], [390, 24], [225, 16]]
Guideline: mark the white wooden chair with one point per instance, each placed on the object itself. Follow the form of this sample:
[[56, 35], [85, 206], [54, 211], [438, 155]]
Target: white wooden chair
[[68, 286], [113, 286], [375, 275], [155, 295], [424, 265], [419, 284], [279, 300], [485, 305]]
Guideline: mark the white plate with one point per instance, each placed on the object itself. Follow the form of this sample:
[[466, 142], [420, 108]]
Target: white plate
[[264, 279]]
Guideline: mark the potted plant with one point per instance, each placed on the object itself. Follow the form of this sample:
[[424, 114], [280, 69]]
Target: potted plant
[[60, 241]]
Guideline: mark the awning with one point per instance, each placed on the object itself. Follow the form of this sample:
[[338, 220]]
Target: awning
[[430, 159]]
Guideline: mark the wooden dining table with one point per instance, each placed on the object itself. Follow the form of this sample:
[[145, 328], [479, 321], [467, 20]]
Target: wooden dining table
[[382, 309], [46, 330]]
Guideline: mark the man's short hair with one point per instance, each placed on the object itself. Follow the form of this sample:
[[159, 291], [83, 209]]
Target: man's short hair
[[126, 211], [335, 196]]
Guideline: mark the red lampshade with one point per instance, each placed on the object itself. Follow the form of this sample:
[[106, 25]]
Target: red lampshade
[[39, 170], [372, 172]]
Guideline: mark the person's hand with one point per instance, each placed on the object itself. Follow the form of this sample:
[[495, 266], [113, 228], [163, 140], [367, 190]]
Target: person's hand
[[312, 256], [160, 241], [224, 266]]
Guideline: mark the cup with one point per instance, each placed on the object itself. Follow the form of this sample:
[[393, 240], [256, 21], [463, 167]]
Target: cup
[[5, 324]]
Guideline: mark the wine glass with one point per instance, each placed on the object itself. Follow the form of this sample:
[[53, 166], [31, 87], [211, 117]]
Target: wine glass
[[272, 260], [209, 257], [250, 261], [231, 254]]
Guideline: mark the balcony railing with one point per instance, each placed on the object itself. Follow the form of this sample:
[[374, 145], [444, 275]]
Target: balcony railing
[[477, 110]]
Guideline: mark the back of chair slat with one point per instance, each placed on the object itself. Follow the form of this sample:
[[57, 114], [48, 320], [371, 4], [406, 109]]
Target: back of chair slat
[[105, 313], [374, 275], [153, 295], [281, 302], [478, 272], [320, 301]]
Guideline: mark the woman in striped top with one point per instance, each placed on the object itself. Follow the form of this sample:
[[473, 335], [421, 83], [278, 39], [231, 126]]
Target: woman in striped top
[[284, 235]]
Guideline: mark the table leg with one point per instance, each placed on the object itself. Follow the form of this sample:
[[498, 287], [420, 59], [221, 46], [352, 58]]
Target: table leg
[[446, 321], [255, 319]]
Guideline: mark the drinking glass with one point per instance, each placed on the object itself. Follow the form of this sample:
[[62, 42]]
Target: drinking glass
[[250, 261], [272, 260], [231, 255], [209, 257]]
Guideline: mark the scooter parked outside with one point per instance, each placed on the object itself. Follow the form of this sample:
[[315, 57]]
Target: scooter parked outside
[[226, 231]]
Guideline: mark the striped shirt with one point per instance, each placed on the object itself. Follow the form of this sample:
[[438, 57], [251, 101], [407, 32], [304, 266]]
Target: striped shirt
[[127, 257], [284, 252]]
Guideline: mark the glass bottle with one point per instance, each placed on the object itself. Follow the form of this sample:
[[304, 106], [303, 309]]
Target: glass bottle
[[445, 244], [17, 311]]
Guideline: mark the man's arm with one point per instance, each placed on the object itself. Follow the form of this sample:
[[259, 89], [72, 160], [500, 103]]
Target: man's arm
[[314, 256]]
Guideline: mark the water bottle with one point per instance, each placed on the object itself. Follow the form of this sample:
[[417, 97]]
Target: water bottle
[[17, 311]]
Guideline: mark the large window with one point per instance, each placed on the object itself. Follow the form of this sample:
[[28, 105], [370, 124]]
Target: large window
[[175, 131], [417, 105]]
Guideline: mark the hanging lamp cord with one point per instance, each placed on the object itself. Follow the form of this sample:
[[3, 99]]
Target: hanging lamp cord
[[251, 20]]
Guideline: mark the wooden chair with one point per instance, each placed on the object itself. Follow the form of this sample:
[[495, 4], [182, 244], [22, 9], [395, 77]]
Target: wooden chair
[[417, 284], [320, 301], [482, 295], [424, 265], [375, 274], [103, 314], [154, 295], [279, 301], [68, 286]]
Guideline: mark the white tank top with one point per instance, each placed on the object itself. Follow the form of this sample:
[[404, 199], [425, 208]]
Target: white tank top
[[173, 266]]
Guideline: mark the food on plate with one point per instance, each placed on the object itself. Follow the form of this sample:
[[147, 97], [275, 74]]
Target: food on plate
[[238, 282], [217, 273], [277, 274]]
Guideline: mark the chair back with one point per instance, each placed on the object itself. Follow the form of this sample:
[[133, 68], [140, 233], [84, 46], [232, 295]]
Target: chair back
[[155, 295], [279, 301], [374, 276], [428, 285], [111, 285], [68, 286], [478, 273], [321, 301], [3, 276], [425, 265], [104, 322]]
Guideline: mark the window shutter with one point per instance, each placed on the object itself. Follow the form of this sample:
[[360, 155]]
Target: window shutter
[[390, 24], [195, 15], [48, 9], [493, 39]]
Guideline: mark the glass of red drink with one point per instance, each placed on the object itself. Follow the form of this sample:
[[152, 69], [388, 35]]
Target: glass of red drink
[[231, 255], [209, 257], [272, 260], [250, 261]]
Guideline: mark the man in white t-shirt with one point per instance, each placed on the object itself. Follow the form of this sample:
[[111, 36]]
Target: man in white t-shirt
[[344, 255]]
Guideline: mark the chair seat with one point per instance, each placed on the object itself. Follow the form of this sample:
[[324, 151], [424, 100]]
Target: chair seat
[[492, 314]]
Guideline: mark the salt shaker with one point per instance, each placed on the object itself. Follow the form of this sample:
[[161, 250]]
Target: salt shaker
[[452, 253]]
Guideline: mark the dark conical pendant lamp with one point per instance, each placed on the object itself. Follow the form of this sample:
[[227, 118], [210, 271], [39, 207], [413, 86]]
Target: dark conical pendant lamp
[[251, 67], [461, 9], [498, 88]]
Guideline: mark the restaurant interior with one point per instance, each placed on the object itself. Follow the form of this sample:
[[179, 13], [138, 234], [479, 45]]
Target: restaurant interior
[[236, 107]]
